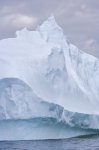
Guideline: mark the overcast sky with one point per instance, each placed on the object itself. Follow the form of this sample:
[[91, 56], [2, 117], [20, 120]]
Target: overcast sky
[[78, 18]]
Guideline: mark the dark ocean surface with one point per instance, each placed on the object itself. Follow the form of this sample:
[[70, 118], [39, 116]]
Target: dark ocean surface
[[79, 143]]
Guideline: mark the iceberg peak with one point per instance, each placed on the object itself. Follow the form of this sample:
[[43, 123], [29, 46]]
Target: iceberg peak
[[51, 18], [51, 31], [50, 23]]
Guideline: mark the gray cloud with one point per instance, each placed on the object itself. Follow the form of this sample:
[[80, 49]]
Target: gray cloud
[[79, 19]]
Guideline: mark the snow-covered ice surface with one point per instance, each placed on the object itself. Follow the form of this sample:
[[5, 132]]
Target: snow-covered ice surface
[[48, 87]]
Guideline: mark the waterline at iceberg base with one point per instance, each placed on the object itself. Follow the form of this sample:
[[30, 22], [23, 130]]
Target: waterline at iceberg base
[[48, 87]]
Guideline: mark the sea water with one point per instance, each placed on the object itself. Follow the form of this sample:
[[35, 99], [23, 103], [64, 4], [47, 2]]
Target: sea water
[[79, 143]]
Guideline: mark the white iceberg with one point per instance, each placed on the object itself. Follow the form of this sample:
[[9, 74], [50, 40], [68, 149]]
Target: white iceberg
[[48, 87]]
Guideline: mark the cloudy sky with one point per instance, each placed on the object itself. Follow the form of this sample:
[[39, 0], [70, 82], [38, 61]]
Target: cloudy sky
[[78, 18]]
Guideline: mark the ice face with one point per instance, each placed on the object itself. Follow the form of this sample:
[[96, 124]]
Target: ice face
[[18, 101]]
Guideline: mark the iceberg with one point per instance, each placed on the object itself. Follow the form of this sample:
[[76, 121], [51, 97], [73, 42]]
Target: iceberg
[[48, 87]]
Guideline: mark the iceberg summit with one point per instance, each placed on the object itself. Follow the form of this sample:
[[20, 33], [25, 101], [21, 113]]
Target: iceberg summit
[[49, 89]]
